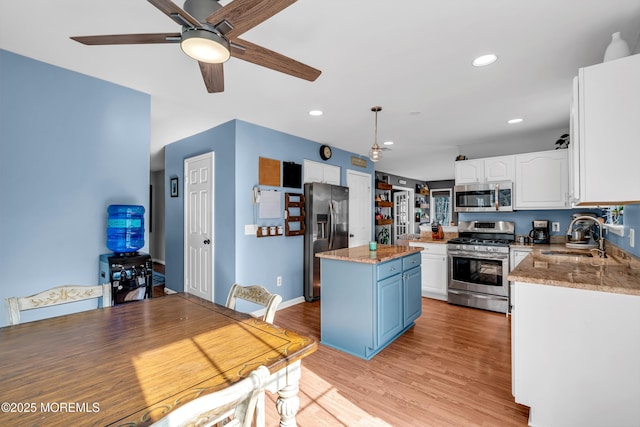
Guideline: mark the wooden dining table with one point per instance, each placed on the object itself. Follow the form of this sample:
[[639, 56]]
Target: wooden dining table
[[131, 364]]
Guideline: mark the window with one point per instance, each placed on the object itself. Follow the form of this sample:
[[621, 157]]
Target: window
[[441, 206]]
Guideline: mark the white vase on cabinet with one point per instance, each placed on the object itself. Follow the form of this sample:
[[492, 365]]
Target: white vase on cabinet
[[618, 48]]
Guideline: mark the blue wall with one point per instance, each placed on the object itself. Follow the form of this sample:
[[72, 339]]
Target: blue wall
[[631, 220], [70, 145], [523, 221], [220, 140], [242, 258]]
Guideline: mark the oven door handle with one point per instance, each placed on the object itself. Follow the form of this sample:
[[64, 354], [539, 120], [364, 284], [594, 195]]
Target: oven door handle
[[481, 296], [497, 189], [487, 255]]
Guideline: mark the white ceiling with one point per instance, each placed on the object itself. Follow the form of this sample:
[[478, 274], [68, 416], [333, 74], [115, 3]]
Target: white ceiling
[[412, 57]]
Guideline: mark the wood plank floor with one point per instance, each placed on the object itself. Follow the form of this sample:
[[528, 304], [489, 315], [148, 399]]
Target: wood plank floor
[[452, 369]]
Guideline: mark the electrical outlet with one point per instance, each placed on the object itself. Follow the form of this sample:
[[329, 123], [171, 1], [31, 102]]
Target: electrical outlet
[[279, 281], [555, 226], [632, 237]]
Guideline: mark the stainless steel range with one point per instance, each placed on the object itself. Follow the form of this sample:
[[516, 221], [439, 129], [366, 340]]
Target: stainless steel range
[[479, 265]]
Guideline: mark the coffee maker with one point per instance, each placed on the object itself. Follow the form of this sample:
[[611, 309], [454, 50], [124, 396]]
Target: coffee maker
[[540, 231]]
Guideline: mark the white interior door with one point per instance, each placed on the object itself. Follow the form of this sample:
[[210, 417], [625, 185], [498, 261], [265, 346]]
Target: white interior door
[[198, 222], [360, 211]]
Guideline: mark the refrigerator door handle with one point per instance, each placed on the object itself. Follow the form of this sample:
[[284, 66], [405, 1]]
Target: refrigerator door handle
[[331, 224]]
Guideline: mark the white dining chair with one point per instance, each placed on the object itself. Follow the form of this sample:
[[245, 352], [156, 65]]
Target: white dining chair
[[56, 296], [256, 294], [238, 402]]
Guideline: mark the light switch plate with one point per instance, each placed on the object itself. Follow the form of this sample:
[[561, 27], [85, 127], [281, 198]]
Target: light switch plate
[[632, 237], [249, 229]]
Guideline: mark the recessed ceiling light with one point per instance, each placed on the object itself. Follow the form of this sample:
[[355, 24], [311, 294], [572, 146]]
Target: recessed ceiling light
[[483, 60], [315, 113], [387, 143], [514, 121]]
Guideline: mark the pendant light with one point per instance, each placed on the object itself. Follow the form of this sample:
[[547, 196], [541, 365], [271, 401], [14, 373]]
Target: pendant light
[[375, 154]]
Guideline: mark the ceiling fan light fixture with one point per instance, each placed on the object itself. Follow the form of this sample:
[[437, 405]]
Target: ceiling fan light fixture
[[205, 46], [375, 154]]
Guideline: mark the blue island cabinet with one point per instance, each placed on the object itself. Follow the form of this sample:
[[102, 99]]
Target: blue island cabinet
[[365, 306]]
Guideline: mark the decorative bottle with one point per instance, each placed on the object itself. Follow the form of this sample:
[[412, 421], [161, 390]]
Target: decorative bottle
[[618, 48]]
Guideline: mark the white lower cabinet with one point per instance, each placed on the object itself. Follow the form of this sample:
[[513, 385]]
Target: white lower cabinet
[[576, 356], [434, 269], [516, 255]]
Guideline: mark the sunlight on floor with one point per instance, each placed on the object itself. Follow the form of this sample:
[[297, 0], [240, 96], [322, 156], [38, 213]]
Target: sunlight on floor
[[321, 404]]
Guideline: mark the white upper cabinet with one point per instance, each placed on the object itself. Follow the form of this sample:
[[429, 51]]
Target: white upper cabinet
[[606, 134], [321, 172], [499, 168], [469, 171], [542, 180], [490, 169]]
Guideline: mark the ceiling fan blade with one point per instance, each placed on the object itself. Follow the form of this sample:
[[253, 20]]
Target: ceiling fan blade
[[128, 39], [213, 75], [246, 14], [259, 55], [175, 12]]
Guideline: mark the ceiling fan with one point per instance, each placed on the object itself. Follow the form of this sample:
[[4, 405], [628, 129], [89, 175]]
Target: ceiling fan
[[210, 35]]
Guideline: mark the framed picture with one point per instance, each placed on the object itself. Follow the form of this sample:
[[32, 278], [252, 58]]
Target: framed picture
[[174, 187]]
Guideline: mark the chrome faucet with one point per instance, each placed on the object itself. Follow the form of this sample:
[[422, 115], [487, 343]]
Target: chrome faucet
[[600, 250]]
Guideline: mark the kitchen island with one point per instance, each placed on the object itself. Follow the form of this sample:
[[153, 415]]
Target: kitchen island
[[576, 337], [368, 298]]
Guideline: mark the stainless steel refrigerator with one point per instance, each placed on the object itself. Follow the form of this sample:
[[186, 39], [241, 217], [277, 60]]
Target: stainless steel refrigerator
[[326, 228]]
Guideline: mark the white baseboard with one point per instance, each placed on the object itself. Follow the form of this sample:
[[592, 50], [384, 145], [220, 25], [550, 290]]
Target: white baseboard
[[284, 304], [291, 302]]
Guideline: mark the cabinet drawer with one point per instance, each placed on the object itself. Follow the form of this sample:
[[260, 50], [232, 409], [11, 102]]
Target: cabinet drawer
[[388, 269], [433, 248], [411, 261]]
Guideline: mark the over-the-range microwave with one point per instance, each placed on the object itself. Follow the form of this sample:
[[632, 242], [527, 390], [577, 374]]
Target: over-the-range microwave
[[488, 197]]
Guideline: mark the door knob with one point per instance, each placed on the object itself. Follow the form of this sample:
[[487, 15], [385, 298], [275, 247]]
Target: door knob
[[207, 241], [351, 235]]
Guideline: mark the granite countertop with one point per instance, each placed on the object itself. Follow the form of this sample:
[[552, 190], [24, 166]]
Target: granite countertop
[[364, 255], [619, 273], [425, 237]]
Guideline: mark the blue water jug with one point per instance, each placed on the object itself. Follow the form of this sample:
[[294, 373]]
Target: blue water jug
[[125, 228]]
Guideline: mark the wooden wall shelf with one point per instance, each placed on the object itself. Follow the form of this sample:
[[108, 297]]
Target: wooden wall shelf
[[295, 202], [384, 204], [384, 222]]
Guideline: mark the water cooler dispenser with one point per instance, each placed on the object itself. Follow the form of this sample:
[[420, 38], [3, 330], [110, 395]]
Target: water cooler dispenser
[[129, 271], [130, 275]]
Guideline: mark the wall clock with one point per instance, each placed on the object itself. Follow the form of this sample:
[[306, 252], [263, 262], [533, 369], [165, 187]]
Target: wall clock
[[325, 152]]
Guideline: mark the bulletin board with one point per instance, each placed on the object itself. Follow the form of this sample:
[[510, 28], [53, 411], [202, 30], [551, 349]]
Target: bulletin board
[[268, 172]]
